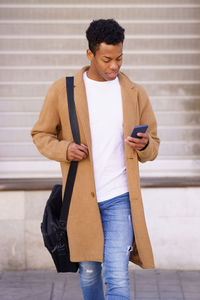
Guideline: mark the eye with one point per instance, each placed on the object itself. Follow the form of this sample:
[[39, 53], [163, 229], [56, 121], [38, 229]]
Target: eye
[[106, 61]]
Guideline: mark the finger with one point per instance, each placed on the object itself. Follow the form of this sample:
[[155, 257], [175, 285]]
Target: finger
[[131, 139], [131, 144], [80, 147], [134, 145], [85, 148], [143, 135], [76, 157], [77, 152], [135, 140], [81, 154]]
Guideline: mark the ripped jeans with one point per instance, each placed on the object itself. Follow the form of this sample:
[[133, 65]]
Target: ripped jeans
[[118, 239]]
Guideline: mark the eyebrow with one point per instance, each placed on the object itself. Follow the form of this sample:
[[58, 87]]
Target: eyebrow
[[107, 57]]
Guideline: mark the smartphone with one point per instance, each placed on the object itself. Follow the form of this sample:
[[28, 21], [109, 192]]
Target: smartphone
[[140, 128]]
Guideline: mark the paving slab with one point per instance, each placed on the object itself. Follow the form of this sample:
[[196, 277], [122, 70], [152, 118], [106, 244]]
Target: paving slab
[[145, 285]]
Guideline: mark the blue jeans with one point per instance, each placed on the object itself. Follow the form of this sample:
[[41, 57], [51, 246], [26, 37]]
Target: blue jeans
[[118, 239]]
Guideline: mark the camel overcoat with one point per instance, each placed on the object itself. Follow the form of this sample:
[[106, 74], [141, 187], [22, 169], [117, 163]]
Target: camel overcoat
[[52, 136]]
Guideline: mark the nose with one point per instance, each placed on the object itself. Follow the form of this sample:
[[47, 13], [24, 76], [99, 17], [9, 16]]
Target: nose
[[114, 66]]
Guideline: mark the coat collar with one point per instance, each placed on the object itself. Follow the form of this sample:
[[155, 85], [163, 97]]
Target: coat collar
[[129, 100]]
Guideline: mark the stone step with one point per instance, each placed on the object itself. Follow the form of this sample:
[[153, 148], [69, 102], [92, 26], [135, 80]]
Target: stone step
[[25, 104], [19, 151], [39, 89], [18, 119], [138, 2], [166, 134], [162, 43], [72, 58], [140, 74], [182, 118], [162, 74], [78, 27], [172, 88], [28, 151], [180, 149], [187, 134], [71, 12], [18, 135], [170, 119], [173, 103], [68, 43]]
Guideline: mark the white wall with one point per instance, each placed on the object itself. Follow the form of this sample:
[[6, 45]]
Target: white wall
[[172, 215], [173, 219]]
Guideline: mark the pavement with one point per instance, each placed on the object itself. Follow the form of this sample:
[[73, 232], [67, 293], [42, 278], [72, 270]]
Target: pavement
[[145, 285]]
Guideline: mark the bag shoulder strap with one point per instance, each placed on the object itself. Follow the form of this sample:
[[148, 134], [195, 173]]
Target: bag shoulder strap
[[74, 164], [72, 110]]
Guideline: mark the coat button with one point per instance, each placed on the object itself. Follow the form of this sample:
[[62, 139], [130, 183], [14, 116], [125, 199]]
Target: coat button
[[93, 194]]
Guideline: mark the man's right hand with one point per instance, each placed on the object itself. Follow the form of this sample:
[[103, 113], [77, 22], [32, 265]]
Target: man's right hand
[[77, 152]]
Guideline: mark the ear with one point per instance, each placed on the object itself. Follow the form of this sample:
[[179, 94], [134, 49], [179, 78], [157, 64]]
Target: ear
[[90, 55]]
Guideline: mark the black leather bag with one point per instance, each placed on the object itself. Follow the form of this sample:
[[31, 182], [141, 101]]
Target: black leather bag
[[53, 226]]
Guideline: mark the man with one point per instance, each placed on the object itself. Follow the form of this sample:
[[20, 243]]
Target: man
[[106, 204]]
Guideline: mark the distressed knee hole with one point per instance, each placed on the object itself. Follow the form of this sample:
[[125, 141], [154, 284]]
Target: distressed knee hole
[[130, 248], [89, 271]]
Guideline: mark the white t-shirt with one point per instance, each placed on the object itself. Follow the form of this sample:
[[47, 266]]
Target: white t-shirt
[[106, 124]]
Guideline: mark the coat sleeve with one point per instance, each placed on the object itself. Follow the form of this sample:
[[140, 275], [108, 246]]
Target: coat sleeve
[[45, 131], [147, 116]]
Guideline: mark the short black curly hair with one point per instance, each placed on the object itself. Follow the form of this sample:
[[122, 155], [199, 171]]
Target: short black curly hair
[[104, 30]]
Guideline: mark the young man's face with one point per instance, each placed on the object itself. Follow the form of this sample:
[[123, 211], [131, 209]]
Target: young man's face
[[106, 63]]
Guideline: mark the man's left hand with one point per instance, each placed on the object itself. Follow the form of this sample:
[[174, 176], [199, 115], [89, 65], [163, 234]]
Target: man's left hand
[[138, 144]]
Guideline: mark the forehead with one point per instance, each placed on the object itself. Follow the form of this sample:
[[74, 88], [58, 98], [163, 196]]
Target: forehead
[[109, 50]]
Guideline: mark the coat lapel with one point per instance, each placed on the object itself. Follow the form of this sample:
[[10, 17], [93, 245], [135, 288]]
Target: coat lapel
[[129, 104]]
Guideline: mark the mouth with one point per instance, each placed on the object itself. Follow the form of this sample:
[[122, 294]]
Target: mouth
[[112, 75]]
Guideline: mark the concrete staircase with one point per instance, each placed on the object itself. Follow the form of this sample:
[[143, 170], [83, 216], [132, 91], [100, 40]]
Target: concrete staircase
[[41, 41]]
